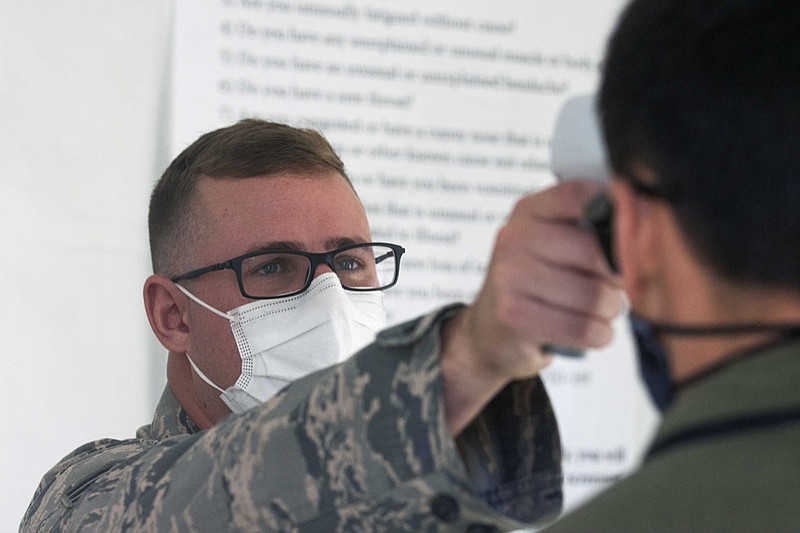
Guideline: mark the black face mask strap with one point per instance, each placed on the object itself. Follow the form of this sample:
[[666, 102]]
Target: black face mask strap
[[654, 362]]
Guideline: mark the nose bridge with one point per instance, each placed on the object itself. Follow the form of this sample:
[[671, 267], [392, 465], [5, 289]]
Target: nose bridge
[[322, 264]]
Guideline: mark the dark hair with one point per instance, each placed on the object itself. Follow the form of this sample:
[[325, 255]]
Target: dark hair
[[706, 93], [246, 149]]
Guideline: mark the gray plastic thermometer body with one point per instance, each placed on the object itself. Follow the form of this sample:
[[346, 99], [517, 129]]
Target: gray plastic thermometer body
[[577, 152]]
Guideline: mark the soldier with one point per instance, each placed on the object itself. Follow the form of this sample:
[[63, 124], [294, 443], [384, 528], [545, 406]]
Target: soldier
[[264, 272], [700, 105]]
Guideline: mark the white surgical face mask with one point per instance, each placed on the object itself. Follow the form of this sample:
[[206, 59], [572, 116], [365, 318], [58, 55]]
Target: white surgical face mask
[[284, 339]]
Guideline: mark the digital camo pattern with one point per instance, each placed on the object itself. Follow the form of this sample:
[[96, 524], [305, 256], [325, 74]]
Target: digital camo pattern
[[362, 446]]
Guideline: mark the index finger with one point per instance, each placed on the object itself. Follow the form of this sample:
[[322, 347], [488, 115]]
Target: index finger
[[563, 202]]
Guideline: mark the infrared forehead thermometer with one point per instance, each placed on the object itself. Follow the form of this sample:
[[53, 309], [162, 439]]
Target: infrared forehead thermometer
[[577, 151]]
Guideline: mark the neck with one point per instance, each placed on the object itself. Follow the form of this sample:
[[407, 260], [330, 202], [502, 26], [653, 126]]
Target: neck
[[698, 354], [179, 379], [724, 326]]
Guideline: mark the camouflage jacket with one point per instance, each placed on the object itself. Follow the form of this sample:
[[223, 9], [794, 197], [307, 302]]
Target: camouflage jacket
[[361, 446]]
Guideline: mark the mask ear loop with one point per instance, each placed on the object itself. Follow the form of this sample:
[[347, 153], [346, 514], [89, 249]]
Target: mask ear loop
[[198, 301], [202, 376]]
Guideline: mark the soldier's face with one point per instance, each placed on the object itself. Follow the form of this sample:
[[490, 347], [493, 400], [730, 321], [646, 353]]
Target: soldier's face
[[315, 212]]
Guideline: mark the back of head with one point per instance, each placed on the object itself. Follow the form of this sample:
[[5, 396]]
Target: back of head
[[250, 148], [706, 93]]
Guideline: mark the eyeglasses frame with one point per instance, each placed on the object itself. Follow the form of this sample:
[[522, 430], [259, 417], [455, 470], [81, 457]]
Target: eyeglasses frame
[[316, 259]]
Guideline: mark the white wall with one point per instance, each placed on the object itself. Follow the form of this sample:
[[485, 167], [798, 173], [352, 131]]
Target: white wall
[[82, 87]]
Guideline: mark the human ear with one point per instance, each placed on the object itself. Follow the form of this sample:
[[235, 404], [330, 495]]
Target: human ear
[[637, 227], [166, 306]]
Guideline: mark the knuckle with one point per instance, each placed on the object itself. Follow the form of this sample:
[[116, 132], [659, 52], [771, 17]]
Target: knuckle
[[586, 332], [505, 237]]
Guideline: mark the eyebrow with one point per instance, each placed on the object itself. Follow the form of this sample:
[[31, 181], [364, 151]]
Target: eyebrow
[[338, 242], [296, 246]]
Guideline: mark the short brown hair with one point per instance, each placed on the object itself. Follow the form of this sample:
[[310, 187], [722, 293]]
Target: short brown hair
[[246, 149]]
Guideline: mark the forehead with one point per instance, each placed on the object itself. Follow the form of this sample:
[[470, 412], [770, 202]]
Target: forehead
[[235, 216]]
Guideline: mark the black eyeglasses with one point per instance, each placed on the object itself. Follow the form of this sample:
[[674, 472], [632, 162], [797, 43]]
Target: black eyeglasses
[[371, 266]]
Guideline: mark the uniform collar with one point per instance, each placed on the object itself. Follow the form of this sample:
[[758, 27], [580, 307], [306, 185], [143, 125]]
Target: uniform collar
[[169, 420], [758, 386]]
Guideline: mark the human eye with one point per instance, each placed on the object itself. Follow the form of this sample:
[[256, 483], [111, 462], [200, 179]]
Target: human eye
[[275, 265], [274, 274], [267, 266], [356, 267], [348, 263]]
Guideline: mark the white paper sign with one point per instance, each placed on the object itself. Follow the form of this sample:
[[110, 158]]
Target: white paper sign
[[442, 113]]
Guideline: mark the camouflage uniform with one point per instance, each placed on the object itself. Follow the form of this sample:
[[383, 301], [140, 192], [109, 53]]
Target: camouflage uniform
[[362, 446]]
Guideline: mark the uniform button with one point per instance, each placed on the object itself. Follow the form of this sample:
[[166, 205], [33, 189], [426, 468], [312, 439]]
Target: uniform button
[[444, 507], [482, 528]]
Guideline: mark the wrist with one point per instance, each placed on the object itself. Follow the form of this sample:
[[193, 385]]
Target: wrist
[[468, 383]]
